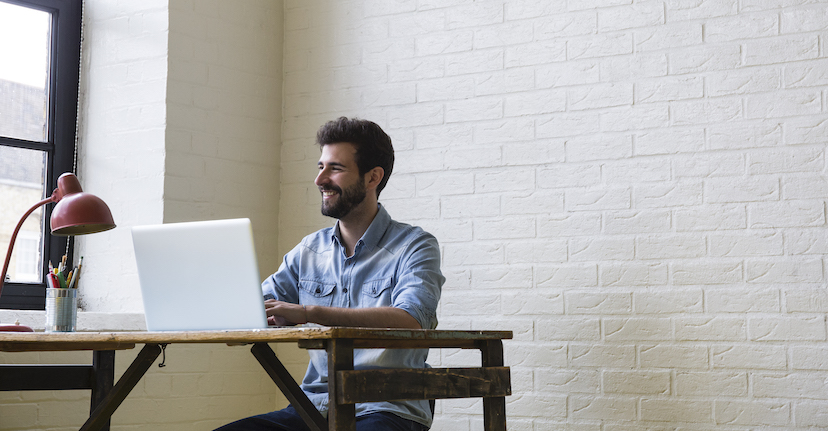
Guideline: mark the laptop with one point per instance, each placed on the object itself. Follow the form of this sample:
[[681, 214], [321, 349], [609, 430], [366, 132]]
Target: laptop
[[199, 276]]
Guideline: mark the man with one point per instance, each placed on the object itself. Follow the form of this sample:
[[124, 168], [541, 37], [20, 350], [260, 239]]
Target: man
[[367, 271]]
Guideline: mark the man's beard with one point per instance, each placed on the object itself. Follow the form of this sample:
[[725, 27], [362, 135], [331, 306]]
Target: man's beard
[[346, 200]]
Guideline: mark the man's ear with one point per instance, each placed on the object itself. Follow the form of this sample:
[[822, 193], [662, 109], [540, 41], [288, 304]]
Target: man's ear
[[373, 177]]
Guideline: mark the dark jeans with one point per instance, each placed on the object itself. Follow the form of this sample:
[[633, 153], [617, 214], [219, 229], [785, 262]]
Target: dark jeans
[[289, 420]]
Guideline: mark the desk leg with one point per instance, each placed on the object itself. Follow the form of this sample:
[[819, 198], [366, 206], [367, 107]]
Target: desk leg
[[277, 372], [494, 408], [103, 371], [100, 416], [341, 417]]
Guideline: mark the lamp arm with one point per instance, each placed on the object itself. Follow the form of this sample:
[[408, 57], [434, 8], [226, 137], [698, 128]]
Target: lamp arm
[[52, 198]]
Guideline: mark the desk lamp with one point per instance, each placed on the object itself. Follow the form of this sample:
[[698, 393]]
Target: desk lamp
[[75, 213]]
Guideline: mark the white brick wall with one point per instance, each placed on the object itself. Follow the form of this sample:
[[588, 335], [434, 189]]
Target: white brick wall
[[636, 188]]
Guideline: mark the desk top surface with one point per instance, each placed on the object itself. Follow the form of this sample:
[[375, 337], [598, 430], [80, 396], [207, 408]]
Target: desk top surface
[[363, 337]]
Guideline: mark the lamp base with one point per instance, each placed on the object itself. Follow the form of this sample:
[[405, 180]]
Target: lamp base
[[16, 327]]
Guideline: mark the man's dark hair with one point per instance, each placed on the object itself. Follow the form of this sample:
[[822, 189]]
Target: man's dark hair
[[373, 145]]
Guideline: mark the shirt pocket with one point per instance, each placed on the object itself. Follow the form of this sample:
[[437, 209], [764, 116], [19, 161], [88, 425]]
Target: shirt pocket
[[377, 293], [312, 292]]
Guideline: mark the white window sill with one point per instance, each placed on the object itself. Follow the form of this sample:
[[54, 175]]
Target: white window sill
[[87, 321]]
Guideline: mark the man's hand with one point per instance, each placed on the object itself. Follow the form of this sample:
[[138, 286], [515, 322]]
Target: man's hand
[[281, 313]]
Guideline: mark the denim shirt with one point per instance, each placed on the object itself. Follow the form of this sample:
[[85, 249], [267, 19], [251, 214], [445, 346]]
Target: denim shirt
[[393, 264]]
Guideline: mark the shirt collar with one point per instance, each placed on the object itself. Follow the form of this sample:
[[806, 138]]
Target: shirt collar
[[373, 234]]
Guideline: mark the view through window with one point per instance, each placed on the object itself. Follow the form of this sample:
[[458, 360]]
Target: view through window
[[24, 106], [38, 118]]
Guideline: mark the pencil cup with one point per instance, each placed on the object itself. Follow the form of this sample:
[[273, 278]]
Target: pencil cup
[[61, 310]]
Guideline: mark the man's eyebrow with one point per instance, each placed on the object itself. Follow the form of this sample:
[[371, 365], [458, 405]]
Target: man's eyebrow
[[335, 164]]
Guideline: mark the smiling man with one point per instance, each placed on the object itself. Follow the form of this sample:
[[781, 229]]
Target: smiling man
[[367, 271]]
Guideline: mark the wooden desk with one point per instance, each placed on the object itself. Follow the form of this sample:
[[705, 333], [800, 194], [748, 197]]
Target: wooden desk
[[346, 386]]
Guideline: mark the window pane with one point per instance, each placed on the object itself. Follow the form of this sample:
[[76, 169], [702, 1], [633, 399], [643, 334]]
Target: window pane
[[24, 72], [22, 176]]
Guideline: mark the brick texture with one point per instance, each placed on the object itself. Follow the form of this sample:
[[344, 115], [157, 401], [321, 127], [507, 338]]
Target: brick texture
[[642, 183]]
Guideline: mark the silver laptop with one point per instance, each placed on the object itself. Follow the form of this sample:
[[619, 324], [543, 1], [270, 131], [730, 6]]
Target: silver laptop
[[199, 276]]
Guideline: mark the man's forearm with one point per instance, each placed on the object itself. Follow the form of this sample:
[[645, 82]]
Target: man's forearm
[[379, 317]]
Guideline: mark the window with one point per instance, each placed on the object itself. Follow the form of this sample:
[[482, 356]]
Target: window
[[39, 69]]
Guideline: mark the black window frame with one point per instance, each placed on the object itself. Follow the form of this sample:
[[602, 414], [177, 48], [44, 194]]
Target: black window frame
[[60, 141]]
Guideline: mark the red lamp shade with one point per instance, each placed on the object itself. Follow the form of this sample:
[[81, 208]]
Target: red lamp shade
[[76, 212]]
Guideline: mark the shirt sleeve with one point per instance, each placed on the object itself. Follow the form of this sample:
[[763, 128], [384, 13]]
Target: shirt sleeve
[[420, 280], [283, 284]]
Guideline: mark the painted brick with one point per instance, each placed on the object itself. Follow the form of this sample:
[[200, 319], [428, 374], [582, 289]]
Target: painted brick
[[742, 300], [637, 329], [604, 408], [509, 131], [568, 381], [676, 410], [809, 358], [805, 300], [504, 180], [569, 175], [633, 274], [748, 189], [786, 214], [566, 276], [627, 67], [707, 273], [568, 329], [665, 194], [669, 89], [754, 80], [637, 222], [585, 302], [567, 74], [535, 303], [601, 45], [639, 169], [712, 384], [763, 413], [803, 384], [601, 249], [601, 147], [569, 224], [536, 53], [510, 33], [781, 49], [767, 243], [578, 23], [599, 96], [505, 81], [787, 328], [806, 74], [538, 102], [710, 329], [511, 228], [673, 246], [597, 199], [749, 356], [643, 14], [682, 11], [668, 301], [705, 59], [635, 118], [746, 26], [800, 271], [782, 103], [636, 382], [535, 251], [541, 202], [745, 135], [709, 165], [602, 355]]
